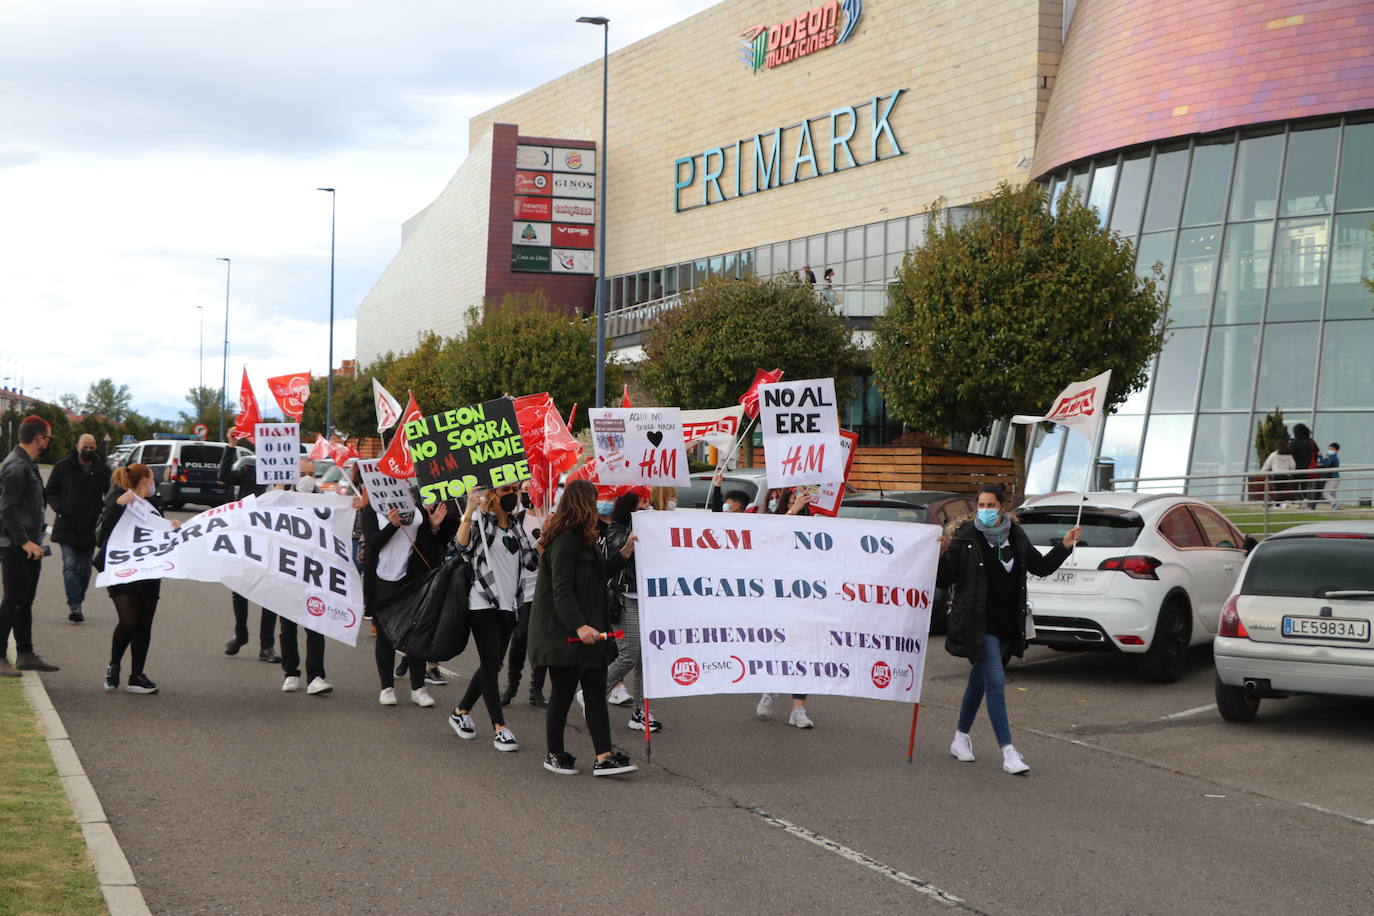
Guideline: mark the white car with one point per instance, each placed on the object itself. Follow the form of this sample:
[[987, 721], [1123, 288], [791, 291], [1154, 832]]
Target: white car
[[1299, 620], [1148, 578]]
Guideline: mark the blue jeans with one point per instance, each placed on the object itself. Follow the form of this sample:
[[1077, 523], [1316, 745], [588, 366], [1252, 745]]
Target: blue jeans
[[76, 573], [987, 677]]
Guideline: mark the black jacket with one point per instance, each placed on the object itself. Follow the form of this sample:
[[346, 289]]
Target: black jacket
[[429, 544], [571, 592], [961, 571], [21, 500], [245, 478], [1305, 453], [76, 493], [110, 514], [617, 533]]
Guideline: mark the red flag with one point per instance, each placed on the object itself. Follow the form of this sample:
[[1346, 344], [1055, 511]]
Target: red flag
[[291, 392], [319, 450], [341, 452], [625, 398], [396, 461], [249, 415], [750, 398]]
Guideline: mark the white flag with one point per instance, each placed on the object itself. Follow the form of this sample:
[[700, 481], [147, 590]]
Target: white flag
[[1078, 406], [388, 411]]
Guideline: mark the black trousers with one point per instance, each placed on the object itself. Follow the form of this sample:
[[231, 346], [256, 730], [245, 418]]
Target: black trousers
[[267, 624], [519, 644], [20, 575], [291, 656], [135, 604], [385, 653], [491, 629], [565, 681]]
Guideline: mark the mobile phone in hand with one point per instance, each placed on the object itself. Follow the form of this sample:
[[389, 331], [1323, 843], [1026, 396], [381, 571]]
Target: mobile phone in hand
[[47, 550]]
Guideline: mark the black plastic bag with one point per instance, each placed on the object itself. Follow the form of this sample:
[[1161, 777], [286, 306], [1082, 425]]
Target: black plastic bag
[[427, 618]]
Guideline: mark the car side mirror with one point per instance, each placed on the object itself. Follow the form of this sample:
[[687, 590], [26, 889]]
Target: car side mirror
[[1250, 543]]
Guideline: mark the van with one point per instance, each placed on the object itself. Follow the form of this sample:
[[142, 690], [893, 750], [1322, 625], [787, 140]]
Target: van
[[186, 470]]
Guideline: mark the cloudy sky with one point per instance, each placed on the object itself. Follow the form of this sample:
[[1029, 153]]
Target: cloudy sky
[[142, 140]]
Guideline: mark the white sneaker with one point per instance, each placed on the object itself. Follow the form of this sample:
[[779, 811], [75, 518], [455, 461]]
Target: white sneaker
[[1012, 762], [962, 748], [765, 707], [387, 697], [799, 718], [505, 741], [318, 686], [421, 698], [462, 724], [291, 684], [619, 696]]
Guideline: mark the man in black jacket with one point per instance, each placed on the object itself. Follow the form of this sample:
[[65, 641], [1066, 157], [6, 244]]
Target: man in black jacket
[[243, 477], [21, 544], [76, 491]]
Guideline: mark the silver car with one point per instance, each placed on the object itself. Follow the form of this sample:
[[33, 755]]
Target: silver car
[[1299, 619]]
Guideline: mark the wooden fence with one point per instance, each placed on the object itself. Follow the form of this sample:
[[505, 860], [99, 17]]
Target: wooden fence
[[922, 467]]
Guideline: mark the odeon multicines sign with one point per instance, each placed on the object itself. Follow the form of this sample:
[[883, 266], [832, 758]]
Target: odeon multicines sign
[[765, 47]]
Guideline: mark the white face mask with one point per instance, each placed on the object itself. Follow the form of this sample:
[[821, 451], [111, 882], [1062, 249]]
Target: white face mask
[[672, 504]]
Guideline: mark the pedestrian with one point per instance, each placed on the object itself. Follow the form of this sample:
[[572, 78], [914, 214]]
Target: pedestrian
[[788, 501], [809, 274], [519, 640], [135, 602], [21, 545], [1305, 459], [1280, 461], [1330, 461], [985, 560], [567, 624], [242, 477], [628, 659], [317, 684], [493, 538], [828, 279], [76, 491]]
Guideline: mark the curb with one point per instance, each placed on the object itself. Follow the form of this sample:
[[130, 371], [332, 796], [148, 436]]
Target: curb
[[117, 883]]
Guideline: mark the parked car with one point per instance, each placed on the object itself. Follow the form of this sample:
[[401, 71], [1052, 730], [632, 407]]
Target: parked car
[[1148, 578], [752, 481], [186, 470], [1299, 620], [336, 478], [121, 451]]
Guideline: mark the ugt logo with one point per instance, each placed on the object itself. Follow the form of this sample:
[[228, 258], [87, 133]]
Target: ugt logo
[[1078, 404], [685, 671]]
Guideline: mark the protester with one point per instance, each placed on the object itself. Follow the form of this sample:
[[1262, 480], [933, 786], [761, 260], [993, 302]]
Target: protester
[[1330, 461], [628, 657], [135, 602], [1306, 456], [21, 545], [985, 560], [242, 476], [496, 543], [1280, 459], [570, 603], [316, 682], [76, 491], [736, 501], [519, 641], [788, 501]]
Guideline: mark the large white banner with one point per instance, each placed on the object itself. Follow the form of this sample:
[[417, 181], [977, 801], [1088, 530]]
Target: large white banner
[[289, 552], [801, 432], [783, 604], [639, 446]]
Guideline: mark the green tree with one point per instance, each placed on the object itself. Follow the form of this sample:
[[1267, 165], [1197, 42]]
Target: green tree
[[63, 439], [704, 352], [204, 403], [996, 315], [108, 400], [354, 415], [1269, 432], [72, 402]]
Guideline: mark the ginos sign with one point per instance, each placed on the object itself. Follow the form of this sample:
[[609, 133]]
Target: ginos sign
[[766, 47]]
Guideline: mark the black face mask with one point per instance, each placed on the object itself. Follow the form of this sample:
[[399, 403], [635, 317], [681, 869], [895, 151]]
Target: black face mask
[[509, 501], [526, 501], [87, 454]]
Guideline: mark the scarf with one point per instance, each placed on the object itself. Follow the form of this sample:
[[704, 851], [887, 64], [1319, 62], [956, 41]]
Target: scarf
[[996, 536]]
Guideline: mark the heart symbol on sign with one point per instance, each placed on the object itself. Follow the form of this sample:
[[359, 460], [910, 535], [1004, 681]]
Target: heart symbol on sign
[[655, 436]]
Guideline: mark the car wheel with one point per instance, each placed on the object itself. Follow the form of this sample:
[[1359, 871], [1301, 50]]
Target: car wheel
[[1164, 661], [1234, 704]]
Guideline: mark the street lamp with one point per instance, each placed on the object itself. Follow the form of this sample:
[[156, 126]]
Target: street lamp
[[601, 219], [224, 378], [200, 384], [329, 379]]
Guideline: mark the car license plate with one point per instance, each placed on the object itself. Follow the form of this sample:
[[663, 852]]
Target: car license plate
[[1063, 577], [1326, 628], [190, 489]]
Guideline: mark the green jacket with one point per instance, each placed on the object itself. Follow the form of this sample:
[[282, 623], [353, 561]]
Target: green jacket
[[569, 592]]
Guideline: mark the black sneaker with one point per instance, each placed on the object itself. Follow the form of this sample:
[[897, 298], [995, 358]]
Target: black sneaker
[[233, 646], [75, 615], [402, 667], [267, 655], [537, 699], [111, 678], [139, 683], [434, 678], [637, 722], [614, 765], [562, 764], [508, 694]]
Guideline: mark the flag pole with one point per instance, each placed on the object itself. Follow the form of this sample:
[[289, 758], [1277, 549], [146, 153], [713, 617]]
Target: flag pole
[[648, 747], [720, 466], [911, 739]]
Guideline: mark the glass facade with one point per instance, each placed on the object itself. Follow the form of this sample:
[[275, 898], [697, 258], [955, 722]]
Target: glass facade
[[1265, 238]]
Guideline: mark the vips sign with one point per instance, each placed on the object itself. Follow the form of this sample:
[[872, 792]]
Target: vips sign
[[287, 551], [783, 604], [460, 450], [279, 452], [553, 229]]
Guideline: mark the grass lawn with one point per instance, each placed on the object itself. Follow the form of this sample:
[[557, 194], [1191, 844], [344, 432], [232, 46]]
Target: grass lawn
[[1250, 520], [44, 867]]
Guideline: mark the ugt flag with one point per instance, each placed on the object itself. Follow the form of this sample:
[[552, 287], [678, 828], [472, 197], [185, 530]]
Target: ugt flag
[[1078, 406]]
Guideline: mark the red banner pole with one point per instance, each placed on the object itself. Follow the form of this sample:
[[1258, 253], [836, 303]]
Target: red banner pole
[[648, 748], [911, 740]]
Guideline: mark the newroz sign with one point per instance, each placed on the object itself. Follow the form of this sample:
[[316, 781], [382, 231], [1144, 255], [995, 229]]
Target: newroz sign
[[783, 604]]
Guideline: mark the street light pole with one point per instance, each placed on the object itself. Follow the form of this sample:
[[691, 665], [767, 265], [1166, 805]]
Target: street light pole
[[224, 377], [329, 379], [601, 218], [200, 382]]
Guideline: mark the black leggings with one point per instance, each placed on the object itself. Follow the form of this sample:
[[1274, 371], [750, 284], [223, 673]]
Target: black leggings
[[385, 653], [267, 624], [564, 682], [135, 608], [491, 629]]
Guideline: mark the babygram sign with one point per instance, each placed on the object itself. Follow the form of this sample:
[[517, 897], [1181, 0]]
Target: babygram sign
[[460, 450], [783, 604], [801, 432]]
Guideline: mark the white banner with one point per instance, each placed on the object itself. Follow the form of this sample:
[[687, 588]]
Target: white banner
[[639, 446], [801, 432], [289, 552], [718, 427], [278, 449], [783, 604], [385, 492]]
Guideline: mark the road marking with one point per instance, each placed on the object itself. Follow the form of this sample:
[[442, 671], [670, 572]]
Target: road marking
[[1191, 712]]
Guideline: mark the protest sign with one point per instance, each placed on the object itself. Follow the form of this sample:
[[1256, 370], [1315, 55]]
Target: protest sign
[[801, 432], [289, 552], [278, 452], [783, 604], [466, 448], [291, 392], [639, 446], [249, 415], [385, 492], [718, 427], [825, 498]]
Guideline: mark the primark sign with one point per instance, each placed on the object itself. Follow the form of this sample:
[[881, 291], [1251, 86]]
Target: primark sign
[[841, 139]]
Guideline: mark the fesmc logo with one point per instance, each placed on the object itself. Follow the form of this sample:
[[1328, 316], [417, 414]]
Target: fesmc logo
[[316, 607], [769, 46]]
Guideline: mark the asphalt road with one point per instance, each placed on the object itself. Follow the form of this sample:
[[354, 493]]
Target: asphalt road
[[232, 797]]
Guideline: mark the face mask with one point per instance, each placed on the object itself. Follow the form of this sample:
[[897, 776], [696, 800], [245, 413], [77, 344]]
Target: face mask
[[509, 501], [988, 517], [604, 506], [732, 507], [407, 517], [87, 454], [672, 504], [773, 504], [526, 501]]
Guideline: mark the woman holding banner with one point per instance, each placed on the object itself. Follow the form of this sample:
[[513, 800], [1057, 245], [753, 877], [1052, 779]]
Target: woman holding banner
[[135, 602], [985, 562], [788, 501], [568, 624], [628, 657]]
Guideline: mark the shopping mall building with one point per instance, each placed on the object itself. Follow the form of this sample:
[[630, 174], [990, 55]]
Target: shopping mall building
[[1231, 140]]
